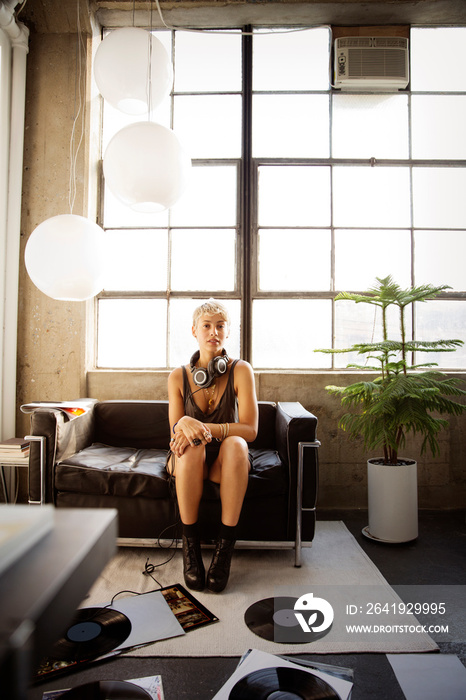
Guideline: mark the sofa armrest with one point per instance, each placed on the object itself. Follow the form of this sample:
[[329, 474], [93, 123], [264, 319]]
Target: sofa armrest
[[297, 427], [294, 424], [62, 437]]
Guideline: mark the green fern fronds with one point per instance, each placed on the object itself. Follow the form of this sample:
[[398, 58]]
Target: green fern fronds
[[405, 399]]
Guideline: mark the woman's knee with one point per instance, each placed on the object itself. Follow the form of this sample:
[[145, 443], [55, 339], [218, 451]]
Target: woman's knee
[[235, 442], [235, 447], [191, 462]]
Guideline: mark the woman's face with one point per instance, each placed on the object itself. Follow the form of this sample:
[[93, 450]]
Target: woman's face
[[211, 331]]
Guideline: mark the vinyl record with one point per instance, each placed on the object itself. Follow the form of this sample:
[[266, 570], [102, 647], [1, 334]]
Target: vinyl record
[[282, 683], [107, 690], [93, 632], [274, 619]]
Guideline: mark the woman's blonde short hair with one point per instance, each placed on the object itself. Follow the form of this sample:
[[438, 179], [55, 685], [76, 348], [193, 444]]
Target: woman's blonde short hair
[[211, 307]]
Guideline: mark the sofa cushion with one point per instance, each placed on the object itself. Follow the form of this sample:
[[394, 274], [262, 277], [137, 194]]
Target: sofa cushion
[[117, 471], [141, 424], [125, 471]]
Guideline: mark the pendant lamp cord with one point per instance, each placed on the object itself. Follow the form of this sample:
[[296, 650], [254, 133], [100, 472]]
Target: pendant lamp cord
[[78, 111], [149, 81]]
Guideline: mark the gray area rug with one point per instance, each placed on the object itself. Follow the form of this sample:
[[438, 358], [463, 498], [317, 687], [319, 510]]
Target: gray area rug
[[335, 569]]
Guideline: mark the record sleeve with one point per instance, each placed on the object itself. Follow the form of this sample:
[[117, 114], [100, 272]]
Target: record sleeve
[[151, 619], [255, 660], [282, 682], [151, 684]]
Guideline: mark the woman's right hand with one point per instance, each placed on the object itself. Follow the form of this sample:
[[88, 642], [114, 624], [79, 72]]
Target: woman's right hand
[[189, 432]]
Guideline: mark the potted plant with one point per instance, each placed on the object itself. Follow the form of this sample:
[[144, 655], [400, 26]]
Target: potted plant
[[403, 399]]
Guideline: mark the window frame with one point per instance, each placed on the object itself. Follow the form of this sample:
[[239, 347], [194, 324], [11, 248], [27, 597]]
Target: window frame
[[247, 225]]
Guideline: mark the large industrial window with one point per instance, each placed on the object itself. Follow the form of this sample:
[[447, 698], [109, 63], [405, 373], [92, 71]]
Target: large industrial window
[[298, 191]]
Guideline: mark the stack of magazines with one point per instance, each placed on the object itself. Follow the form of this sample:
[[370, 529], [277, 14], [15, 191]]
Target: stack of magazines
[[14, 450]]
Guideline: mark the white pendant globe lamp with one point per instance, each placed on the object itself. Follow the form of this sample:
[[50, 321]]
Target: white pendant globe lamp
[[132, 70], [146, 167], [64, 258]]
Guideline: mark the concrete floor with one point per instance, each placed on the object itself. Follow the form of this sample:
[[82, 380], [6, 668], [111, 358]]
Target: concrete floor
[[437, 557]]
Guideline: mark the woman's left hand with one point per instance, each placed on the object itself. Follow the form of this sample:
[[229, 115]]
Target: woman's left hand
[[178, 444]]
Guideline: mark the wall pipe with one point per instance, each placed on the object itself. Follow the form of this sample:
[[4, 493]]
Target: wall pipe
[[18, 35], [5, 81]]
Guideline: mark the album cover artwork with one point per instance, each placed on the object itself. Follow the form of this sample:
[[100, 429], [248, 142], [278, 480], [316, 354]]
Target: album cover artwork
[[148, 688], [189, 612]]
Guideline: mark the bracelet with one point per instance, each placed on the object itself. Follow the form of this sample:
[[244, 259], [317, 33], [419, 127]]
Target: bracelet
[[175, 427], [224, 431]]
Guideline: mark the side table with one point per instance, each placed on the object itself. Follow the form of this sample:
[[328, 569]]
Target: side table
[[13, 461]]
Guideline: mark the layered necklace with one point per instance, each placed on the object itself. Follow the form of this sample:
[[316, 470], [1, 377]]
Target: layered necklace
[[210, 395]]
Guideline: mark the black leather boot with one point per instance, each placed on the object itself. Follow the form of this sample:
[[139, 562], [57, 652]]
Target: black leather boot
[[193, 566], [219, 571]]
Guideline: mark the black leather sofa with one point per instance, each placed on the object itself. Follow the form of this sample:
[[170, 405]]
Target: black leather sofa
[[114, 456]]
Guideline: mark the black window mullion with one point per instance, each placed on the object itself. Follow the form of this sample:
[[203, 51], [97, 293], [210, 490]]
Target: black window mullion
[[246, 198]]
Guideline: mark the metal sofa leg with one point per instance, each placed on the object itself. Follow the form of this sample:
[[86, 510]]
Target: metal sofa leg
[[41, 440], [299, 498]]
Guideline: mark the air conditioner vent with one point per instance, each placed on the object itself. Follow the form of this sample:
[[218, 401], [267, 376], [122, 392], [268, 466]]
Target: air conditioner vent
[[354, 42], [385, 42], [371, 62], [367, 64]]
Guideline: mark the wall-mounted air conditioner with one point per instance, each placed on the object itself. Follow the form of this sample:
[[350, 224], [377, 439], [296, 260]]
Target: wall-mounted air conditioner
[[371, 62]]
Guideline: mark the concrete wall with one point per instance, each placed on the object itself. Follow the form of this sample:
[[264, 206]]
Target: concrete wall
[[52, 335]]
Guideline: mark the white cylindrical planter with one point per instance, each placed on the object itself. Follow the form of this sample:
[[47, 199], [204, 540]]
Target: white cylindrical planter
[[392, 502]]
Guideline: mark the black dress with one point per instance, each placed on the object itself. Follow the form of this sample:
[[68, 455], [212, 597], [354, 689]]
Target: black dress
[[226, 410]]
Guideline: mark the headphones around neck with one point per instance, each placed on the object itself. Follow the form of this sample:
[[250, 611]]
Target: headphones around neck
[[203, 377]]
